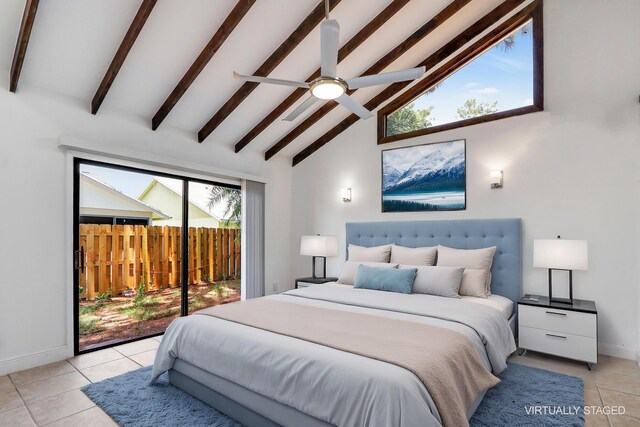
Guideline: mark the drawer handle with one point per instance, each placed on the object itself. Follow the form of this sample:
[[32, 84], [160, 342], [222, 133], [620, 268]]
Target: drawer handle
[[557, 314], [556, 336]]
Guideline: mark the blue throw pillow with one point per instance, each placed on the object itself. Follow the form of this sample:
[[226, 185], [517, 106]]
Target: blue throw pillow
[[385, 279]]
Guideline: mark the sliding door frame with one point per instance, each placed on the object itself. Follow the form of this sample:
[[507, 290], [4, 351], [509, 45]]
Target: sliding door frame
[[184, 270]]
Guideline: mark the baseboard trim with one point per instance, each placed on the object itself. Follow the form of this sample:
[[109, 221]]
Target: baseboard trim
[[617, 351], [29, 361]]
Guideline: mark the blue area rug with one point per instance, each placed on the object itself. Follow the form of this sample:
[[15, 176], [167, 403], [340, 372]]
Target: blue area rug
[[523, 390], [131, 401]]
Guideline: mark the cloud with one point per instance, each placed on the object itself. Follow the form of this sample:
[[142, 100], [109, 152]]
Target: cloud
[[472, 85], [527, 101], [509, 64], [486, 91]]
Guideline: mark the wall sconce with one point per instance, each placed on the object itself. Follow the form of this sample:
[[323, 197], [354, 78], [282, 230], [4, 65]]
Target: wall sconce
[[345, 193], [496, 179]]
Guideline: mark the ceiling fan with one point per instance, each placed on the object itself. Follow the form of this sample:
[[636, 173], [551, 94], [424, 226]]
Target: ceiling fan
[[329, 85]]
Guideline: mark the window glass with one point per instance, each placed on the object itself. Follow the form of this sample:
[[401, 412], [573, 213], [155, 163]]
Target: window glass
[[498, 80]]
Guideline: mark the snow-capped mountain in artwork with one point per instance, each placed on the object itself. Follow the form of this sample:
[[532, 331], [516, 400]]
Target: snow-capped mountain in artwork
[[434, 171]]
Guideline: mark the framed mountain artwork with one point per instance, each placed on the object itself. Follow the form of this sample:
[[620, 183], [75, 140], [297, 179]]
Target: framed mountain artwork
[[430, 177]]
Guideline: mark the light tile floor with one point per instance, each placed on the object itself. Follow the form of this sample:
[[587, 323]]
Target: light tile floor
[[50, 395]]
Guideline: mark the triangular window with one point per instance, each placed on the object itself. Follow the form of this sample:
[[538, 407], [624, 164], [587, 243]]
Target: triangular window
[[501, 79]]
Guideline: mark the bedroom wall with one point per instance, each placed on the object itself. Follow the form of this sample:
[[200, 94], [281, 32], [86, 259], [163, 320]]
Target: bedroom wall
[[570, 170], [34, 311]]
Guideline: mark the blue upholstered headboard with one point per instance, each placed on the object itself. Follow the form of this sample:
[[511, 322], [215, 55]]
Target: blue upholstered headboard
[[505, 234]]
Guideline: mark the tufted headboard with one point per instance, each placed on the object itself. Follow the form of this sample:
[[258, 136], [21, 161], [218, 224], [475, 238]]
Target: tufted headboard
[[505, 234]]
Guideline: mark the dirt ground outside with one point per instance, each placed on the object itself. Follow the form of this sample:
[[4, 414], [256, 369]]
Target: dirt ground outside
[[121, 318]]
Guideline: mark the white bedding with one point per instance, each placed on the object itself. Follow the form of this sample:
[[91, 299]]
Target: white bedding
[[335, 386], [500, 303]]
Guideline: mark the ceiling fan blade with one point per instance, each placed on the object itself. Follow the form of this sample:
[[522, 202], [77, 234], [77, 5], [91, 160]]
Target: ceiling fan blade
[[354, 106], [301, 108], [330, 37], [269, 80], [385, 78]]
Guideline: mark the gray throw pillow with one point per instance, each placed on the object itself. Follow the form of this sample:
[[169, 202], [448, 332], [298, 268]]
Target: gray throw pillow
[[434, 280]]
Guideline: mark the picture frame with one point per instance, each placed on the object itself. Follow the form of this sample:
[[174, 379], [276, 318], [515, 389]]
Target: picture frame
[[424, 178]]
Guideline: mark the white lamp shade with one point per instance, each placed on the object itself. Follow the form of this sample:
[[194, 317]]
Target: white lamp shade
[[560, 254], [325, 246]]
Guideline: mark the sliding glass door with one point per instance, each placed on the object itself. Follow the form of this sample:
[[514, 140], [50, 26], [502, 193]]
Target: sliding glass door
[[149, 247], [214, 245]]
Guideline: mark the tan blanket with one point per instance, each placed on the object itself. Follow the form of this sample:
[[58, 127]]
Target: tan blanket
[[445, 361]]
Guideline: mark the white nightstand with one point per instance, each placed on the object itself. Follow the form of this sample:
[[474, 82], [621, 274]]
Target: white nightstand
[[308, 281], [563, 330]]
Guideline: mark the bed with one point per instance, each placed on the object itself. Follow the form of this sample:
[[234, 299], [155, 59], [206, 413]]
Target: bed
[[263, 378]]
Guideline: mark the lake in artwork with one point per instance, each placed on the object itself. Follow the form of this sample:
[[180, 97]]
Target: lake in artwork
[[428, 177]]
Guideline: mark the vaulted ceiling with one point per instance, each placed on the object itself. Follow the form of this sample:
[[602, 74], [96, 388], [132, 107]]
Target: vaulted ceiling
[[173, 61]]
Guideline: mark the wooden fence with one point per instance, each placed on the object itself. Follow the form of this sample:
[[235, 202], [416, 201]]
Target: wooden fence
[[118, 257]]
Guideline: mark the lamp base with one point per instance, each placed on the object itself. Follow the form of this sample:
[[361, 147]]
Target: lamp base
[[324, 267], [561, 301], [568, 301]]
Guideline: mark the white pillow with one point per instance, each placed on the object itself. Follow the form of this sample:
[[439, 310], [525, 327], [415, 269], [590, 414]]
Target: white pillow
[[413, 256], [469, 258], [350, 270], [373, 254], [433, 280], [474, 283]]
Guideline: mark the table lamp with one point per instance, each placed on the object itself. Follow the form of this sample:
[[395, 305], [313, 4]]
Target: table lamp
[[560, 254], [319, 247]]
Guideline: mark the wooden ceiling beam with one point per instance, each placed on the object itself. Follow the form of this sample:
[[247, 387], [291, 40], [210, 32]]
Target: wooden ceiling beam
[[227, 27], [376, 68], [306, 26], [440, 55], [121, 54], [344, 51], [28, 17]]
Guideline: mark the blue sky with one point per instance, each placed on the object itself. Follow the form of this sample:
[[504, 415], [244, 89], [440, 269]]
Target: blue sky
[[496, 75], [130, 183]]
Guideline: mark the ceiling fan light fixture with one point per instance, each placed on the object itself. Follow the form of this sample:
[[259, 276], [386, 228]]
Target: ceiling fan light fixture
[[328, 87]]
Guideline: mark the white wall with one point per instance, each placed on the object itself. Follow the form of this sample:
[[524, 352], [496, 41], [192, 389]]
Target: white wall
[[34, 309], [571, 170]]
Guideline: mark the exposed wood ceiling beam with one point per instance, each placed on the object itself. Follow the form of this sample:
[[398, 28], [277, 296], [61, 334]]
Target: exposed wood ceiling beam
[[28, 17], [310, 22], [127, 43], [344, 51], [227, 27], [378, 67], [441, 54]]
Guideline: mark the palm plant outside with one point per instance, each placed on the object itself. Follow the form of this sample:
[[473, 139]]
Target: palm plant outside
[[233, 203]]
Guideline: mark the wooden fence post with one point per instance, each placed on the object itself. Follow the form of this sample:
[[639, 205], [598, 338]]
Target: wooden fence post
[[127, 256], [232, 252], [146, 266], [211, 252]]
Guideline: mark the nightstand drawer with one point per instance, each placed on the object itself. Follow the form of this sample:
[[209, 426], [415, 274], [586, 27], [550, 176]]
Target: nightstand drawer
[[553, 319], [560, 344], [304, 284]]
